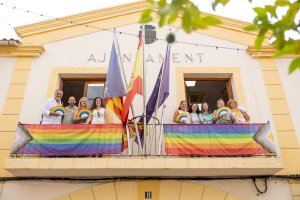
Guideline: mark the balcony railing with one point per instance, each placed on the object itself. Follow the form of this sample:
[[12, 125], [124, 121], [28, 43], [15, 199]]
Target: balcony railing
[[167, 140]]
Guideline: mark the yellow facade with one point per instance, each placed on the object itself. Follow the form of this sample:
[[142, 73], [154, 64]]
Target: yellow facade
[[124, 190], [282, 117], [51, 31]]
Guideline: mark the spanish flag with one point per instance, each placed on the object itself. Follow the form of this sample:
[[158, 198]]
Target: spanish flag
[[136, 82], [114, 88]]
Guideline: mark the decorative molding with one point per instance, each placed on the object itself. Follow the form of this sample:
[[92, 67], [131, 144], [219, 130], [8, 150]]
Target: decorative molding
[[266, 52], [143, 166], [102, 14], [15, 51], [82, 18]]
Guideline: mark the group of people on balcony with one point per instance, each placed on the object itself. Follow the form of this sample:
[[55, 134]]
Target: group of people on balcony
[[73, 115], [230, 114]]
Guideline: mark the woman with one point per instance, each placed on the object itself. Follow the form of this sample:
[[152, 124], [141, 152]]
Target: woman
[[223, 114], [99, 115], [194, 112], [182, 116], [206, 117], [240, 115], [80, 117]]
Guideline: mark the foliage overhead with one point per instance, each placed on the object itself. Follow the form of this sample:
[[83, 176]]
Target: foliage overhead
[[266, 22]]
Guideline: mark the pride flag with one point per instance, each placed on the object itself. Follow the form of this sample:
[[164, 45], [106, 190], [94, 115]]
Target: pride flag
[[69, 139], [214, 140], [136, 82]]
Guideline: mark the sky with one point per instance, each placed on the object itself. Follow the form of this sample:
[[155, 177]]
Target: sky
[[9, 17]]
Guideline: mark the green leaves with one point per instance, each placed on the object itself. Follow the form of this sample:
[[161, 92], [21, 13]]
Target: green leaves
[[184, 10], [217, 2], [209, 20], [282, 3], [261, 12], [294, 65], [186, 20], [173, 17], [266, 22], [146, 16], [251, 27]]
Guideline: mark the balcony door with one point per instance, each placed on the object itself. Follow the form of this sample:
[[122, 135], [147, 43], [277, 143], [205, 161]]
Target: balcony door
[[78, 88], [208, 90]]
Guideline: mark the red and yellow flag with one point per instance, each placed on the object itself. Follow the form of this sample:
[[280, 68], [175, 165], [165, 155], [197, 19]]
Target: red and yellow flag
[[136, 82], [114, 106]]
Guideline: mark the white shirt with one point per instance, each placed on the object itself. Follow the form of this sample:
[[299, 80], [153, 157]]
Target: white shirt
[[195, 118], [98, 116], [46, 118]]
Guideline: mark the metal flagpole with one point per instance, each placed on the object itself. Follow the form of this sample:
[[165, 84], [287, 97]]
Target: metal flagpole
[[144, 90], [162, 115], [158, 97], [161, 130], [132, 109]]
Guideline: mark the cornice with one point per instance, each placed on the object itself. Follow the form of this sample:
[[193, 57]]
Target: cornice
[[102, 14], [16, 51], [266, 52], [82, 18]]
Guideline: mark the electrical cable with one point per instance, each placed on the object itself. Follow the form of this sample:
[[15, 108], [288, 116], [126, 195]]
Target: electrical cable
[[265, 186], [114, 28]]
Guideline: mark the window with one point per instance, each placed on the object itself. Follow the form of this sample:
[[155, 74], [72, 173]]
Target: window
[[78, 88], [93, 90], [208, 90]]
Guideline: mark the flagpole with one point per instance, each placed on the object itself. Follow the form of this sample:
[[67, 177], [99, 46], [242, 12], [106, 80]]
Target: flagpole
[[144, 90], [132, 109], [159, 90], [161, 131]]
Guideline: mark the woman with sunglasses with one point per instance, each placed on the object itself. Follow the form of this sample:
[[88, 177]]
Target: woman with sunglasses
[[99, 115]]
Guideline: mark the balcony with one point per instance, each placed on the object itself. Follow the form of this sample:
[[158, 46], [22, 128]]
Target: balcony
[[99, 151]]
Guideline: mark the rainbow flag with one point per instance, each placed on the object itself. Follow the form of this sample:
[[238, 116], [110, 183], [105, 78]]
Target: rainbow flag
[[213, 140], [264, 137], [69, 140]]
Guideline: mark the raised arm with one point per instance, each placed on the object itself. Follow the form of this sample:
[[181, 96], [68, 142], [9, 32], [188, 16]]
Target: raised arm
[[215, 116], [246, 115], [75, 118], [46, 109], [89, 119], [174, 116], [201, 119]]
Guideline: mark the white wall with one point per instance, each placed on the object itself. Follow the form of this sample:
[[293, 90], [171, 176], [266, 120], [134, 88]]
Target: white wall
[[278, 189], [6, 69], [75, 52], [291, 86], [38, 190], [46, 190]]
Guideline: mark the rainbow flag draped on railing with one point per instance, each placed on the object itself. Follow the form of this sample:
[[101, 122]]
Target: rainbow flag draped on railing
[[69, 140], [219, 140]]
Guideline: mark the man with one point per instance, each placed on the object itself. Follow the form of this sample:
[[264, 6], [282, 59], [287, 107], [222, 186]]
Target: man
[[68, 118], [49, 117]]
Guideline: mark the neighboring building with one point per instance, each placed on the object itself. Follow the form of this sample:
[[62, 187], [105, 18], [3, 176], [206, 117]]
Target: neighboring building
[[60, 54]]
